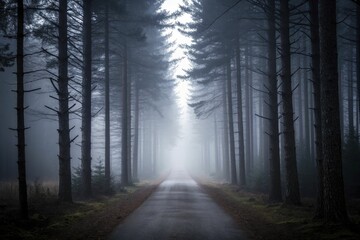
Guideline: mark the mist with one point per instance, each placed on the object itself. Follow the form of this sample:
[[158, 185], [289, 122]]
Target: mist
[[204, 110]]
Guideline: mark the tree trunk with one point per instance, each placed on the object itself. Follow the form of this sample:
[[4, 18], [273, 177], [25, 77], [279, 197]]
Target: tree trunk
[[20, 110], [351, 135], [274, 158], [107, 99], [65, 194], [86, 102], [299, 99], [306, 110], [136, 133], [124, 124], [334, 200], [315, 62], [207, 156], [264, 125], [248, 106], [240, 118], [251, 113], [149, 149], [292, 183], [231, 123], [129, 90], [358, 54], [142, 148], [341, 106], [312, 123], [226, 161], [216, 148], [154, 147]]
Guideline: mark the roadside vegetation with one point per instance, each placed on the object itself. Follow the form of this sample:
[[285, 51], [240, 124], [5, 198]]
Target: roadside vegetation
[[260, 219], [82, 219]]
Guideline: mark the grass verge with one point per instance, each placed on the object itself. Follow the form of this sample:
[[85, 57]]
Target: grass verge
[[260, 220], [94, 219]]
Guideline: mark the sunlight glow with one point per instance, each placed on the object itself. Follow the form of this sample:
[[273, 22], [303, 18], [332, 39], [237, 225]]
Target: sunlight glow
[[182, 90], [185, 153], [182, 86]]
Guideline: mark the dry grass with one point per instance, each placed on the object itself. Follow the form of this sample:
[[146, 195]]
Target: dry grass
[[8, 192], [51, 219], [37, 192]]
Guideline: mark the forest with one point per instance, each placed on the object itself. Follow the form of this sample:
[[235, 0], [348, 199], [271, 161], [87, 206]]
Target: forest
[[189, 119]]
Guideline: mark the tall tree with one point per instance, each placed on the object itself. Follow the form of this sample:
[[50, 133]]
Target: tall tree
[[216, 148], [226, 159], [20, 109], [107, 96], [334, 200], [315, 70], [124, 123], [248, 112], [136, 131], [358, 50], [240, 116], [306, 98], [129, 132], [63, 113], [351, 127], [86, 101], [230, 122], [292, 195], [274, 158]]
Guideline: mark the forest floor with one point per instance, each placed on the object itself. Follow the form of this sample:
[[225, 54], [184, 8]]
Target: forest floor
[[263, 221], [97, 218], [93, 219]]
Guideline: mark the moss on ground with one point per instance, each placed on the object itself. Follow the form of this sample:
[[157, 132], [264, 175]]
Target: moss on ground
[[262, 220]]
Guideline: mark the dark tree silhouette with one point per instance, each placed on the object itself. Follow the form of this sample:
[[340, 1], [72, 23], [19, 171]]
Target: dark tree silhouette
[[334, 200], [274, 158], [63, 112], [315, 62], [226, 153], [292, 195], [230, 122], [358, 51], [20, 108], [86, 101]]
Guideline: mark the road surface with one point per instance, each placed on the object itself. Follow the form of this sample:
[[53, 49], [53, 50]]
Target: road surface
[[178, 209]]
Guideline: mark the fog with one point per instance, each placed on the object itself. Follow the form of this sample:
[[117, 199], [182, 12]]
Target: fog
[[245, 93], [181, 145]]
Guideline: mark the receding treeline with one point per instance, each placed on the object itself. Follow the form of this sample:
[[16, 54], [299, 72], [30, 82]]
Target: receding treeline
[[103, 59], [266, 74]]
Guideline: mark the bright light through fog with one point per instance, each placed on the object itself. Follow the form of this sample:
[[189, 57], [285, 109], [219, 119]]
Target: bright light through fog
[[182, 87], [185, 151]]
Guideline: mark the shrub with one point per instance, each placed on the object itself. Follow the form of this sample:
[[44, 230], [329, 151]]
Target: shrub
[[98, 180]]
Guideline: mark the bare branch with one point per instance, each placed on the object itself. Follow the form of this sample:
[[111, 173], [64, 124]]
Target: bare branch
[[32, 90], [52, 109]]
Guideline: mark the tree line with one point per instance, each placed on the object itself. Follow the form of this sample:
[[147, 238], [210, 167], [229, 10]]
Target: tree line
[[266, 72], [103, 59]]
